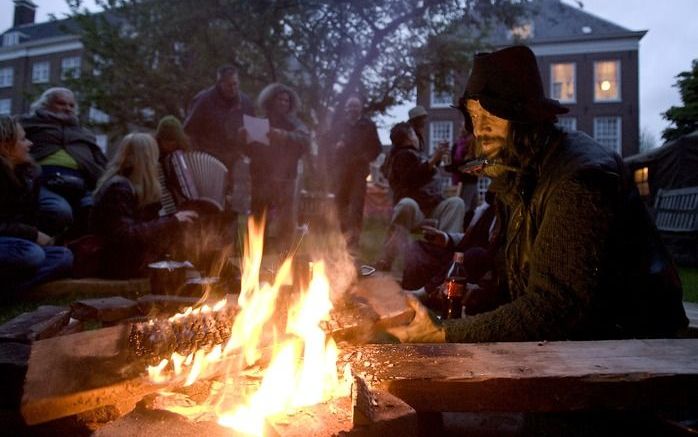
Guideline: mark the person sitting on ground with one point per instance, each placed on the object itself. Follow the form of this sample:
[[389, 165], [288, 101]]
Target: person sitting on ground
[[71, 161], [27, 256], [170, 137], [427, 261], [274, 167], [581, 256], [417, 118], [463, 151], [125, 212], [416, 194]]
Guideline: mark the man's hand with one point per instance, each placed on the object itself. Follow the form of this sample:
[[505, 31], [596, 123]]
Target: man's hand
[[434, 236], [43, 239], [422, 329], [441, 149], [186, 216]]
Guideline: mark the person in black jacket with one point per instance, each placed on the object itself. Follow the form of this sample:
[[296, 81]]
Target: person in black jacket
[[215, 117], [274, 167], [355, 144], [70, 159], [27, 257], [581, 256], [125, 212]]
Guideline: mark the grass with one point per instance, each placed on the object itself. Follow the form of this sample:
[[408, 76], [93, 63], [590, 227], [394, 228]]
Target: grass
[[689, 279]]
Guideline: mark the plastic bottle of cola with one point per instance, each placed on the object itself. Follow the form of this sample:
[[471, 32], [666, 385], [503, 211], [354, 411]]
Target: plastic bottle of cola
[[454, 289]]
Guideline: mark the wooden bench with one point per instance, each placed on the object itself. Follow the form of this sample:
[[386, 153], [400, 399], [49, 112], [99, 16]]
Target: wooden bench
[[677, 210], [89, 286]]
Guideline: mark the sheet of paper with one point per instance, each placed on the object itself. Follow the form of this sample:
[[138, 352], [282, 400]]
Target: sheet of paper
[[257, 129]]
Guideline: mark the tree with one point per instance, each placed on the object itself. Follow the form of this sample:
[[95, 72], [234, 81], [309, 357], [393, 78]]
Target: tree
[[647, 140], [684, 118], [152, 56]]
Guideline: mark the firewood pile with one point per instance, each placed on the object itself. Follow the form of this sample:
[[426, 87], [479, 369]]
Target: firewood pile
[[94, 378]]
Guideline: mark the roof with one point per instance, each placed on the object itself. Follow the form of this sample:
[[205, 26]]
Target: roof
[[45, 30], [557, 21]]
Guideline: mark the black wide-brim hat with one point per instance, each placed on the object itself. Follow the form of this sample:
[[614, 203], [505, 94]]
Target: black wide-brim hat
[[507, 84]]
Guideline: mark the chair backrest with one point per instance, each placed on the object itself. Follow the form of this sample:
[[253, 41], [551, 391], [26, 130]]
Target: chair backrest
[[200, 175], [677, 210]]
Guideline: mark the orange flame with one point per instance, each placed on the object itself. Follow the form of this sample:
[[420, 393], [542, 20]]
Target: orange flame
[[303, 366]]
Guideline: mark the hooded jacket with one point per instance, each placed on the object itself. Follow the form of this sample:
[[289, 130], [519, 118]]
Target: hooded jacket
[[50, 134], [19, 200], [583, 258]]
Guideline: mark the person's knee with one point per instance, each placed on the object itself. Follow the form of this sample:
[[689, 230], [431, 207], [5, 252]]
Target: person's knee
[[405, 212], [455, 205], [55, 211], [27, 256]]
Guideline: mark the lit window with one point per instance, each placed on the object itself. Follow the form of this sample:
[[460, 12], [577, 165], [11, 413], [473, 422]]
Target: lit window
[[439, 131], [563, 82], [5, 106], [6, 77], [41, 72], [10, 39], [567, 123], [441, 99], [70, 67], [607, 132], [607, 81], [642, 181]]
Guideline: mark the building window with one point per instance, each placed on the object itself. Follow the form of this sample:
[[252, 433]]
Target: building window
[[483, 184], [521, 32], [10, 39], [102, 142], [97, 116], [563, 82], [441, 99], [642, 181], [41, 71], [567, 123], [5, 106], [6, 77], [607, 81], [70, 67], [439, 131], [607, 132]]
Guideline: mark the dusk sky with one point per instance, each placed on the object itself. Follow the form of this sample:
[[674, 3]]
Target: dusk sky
[[668, 48]]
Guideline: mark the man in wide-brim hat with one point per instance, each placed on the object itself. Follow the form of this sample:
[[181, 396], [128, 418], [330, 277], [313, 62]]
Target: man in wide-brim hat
[[581, 258]]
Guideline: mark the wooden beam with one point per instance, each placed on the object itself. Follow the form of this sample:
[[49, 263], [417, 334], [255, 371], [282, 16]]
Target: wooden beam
[[535, 377]]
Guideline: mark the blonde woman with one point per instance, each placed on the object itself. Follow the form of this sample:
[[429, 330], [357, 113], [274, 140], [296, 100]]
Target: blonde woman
[[26, 255], [125, 212]]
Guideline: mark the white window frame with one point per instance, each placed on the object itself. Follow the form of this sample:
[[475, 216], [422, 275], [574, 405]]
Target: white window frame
[[440, 99], [574, 82], [6, 77], [10, 39], [570, 123], [602, 137], [618, 81], [433, 139], [96, 115], [70, 64], [41, 74], [5, 106]]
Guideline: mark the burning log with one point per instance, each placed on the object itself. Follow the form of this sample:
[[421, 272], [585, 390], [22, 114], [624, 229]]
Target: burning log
[[155, 340]]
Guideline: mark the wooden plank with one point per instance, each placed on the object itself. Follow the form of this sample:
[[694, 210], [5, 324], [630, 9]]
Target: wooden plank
[[535, 377], [107, 309], [89, 286]]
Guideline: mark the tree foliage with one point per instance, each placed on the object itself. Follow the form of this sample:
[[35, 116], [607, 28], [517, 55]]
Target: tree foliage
[[152, 56], [684, 118]]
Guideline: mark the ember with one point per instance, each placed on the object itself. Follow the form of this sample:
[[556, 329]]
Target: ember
[[302, 369]]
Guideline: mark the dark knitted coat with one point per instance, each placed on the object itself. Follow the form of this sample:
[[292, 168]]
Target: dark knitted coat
[[19, 200], [50, 134], [583, 258], [133, 236], [410, 175]]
